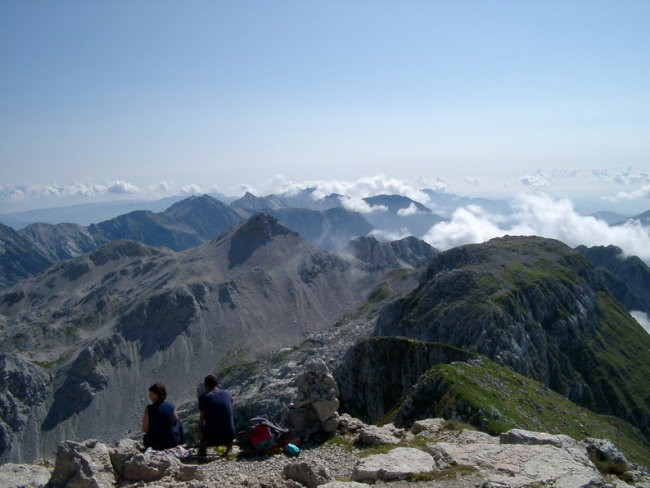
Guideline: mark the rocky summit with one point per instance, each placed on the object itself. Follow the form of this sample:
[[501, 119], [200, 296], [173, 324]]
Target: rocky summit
[[432, 453]]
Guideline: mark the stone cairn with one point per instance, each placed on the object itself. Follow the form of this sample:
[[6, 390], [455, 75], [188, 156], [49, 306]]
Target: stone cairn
[[314, 410]]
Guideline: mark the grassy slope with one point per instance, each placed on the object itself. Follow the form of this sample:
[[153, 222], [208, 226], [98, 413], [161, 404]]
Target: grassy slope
[[500, 399]]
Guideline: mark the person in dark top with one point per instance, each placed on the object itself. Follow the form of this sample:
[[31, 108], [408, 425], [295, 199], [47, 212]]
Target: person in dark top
[[160, 422], [216, 424]]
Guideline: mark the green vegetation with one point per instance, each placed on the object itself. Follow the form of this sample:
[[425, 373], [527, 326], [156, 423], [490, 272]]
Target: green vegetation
[[378, 294], [449, 473], [495, 399], [239, 370]]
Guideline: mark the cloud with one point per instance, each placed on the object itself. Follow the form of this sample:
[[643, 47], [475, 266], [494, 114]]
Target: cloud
[[640, 194], [191, 190], [540, 215], [122, 187], [537, 180], [160, 187], [356, 189], [356, 204], [436, 184], [82, 188], [472, 181], [412, 209], [642, 318], [623, 177]]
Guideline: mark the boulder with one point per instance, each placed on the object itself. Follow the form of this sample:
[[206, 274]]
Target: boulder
[[307, 474], [82, 465], [154, 465], [23, 476], [372, 435], [132, 465], [349, 424], [520, 436], [397, 464], [429, 425], [606, 456]]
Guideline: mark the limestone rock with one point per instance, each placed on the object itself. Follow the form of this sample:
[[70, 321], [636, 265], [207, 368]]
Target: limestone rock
[[603, 451], [520, 465], [430, 425], [372, 435], [23, 476], [121, 453], [315, 406], [350, 424], [395, 465], [82, 465], [309, 475], [153, 465], [520, 436]]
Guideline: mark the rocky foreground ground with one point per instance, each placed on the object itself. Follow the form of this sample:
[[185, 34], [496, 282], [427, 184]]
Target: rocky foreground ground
[[433, 453]]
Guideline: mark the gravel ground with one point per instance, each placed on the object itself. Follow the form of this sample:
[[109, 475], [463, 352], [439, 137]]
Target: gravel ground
[[267, 472]]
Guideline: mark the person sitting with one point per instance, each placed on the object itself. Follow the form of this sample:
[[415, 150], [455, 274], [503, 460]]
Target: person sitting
[[160, 423], [216, 424]]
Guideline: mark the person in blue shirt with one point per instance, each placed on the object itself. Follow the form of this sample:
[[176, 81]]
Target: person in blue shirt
[[216, 424], [160, 422]]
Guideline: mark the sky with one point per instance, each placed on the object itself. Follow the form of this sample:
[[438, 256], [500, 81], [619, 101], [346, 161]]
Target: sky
[[145, 99]]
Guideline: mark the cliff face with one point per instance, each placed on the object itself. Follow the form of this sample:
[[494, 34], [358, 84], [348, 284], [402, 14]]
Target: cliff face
[[626, 277], [377, 372], [540, 308]]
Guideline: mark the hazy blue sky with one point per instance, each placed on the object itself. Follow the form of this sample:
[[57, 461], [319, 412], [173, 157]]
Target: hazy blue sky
[[143, 98]]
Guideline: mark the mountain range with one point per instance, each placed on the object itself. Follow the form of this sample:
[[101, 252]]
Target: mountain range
[[90, 316]]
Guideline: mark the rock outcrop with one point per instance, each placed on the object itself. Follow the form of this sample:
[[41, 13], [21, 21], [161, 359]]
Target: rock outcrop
[[315, 408]]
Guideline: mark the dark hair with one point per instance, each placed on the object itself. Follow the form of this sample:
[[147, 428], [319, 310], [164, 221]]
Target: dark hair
[[159, 389], [210, 382]]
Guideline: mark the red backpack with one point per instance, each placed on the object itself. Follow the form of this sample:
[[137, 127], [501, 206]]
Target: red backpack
[[262, 438]]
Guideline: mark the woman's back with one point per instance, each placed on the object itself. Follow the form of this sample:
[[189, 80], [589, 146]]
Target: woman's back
[[161, 426]]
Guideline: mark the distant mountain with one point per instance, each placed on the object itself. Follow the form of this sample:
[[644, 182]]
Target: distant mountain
[[18, 258], [330, 229], [84, 214], [626, 277], [409, 251], [252, 204], [643, 218], [143, 226], [184, 224], [202, 216], [59, 242], [396, 214], [610, 217], [537, 306], [126, 314], [446, 203]]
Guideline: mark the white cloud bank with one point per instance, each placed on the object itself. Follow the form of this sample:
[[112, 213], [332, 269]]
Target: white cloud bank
[[543, 216]]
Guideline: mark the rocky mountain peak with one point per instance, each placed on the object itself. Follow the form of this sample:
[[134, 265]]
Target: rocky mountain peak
[[256, 232], [262, 225], [409, 251]]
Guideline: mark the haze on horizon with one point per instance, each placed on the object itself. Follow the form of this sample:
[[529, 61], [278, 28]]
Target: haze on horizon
[[143, 100]]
